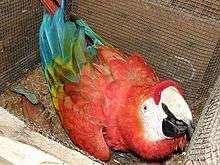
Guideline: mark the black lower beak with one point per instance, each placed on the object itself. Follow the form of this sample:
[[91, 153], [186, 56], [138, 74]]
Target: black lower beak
[[173, 127]]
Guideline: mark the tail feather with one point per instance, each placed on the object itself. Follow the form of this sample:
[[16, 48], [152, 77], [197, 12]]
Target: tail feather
[[50, 40], [51, 5], [45, 49], [64, 48]]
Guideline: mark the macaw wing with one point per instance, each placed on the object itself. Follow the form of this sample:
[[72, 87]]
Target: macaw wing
[[142, 72], [133, 69], [83, 127]]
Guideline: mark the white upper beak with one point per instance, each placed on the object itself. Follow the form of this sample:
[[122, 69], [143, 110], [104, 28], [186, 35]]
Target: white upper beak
[[176, 104]]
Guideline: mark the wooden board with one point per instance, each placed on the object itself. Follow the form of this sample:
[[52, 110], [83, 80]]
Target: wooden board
[[20, 145]]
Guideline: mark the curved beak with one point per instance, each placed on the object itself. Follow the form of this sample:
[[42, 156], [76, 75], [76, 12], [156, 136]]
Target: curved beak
[[172, 127]]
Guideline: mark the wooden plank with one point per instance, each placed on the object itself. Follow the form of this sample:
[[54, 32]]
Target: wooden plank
[[20, 145], [14, 152]]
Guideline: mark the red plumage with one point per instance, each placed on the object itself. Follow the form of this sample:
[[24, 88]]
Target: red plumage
[[107, 99], [102, 110]]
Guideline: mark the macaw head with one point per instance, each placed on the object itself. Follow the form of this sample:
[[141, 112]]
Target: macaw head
[[158, 122], [164, 113]]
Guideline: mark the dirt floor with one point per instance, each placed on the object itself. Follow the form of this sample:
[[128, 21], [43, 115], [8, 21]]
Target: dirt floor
[[47, 122]]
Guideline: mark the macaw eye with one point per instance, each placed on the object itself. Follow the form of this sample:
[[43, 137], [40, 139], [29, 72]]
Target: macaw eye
[[145, 108]]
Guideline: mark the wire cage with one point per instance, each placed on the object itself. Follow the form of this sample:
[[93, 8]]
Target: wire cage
[[179, 38], [18, 38]]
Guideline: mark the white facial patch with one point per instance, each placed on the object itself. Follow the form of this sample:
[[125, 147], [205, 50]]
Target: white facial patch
[[152, 119]]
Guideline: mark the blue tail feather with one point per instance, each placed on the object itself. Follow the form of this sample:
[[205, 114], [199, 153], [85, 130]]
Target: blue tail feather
[[64, 48]]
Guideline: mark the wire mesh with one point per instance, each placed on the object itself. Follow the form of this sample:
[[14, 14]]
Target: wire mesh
[[177, 44], [206, 9], [204, 146], [18, 38]]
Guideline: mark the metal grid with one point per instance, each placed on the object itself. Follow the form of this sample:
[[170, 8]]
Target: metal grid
[[18, 38], [177, 44], [206, 9], [204, 146]]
